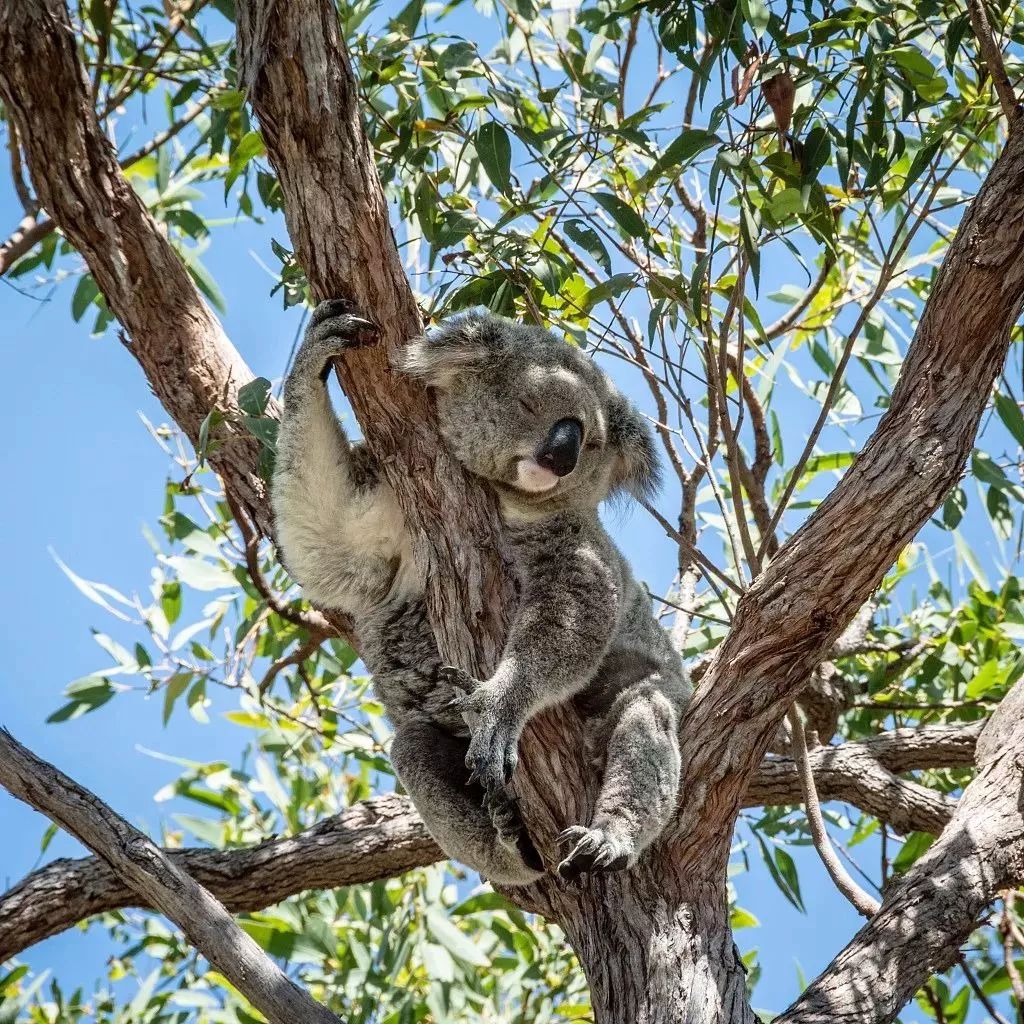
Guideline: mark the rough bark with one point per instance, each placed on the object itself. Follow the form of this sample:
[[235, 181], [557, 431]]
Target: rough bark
[[383, 837], [929, 912], [152, 874], [188, 361], [378, 838]]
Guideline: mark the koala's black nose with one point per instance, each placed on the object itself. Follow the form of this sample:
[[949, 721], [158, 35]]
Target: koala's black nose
[[561, 449]]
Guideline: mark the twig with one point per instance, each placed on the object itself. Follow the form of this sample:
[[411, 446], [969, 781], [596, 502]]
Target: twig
[[865, 904], [797, 310], [691, 551], [1006, 930], [980, 992], [297, 657], [993, 58], [151, 873]]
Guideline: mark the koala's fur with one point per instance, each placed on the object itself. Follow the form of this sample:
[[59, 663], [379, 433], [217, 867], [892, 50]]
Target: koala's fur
[[583, 629]]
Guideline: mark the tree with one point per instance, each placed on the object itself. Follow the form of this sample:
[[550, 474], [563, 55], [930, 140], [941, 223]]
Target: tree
[[567, 177]]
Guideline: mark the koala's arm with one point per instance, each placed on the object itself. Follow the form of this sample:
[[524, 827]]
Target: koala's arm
[[326, 498], [563, 626], [567, 617]]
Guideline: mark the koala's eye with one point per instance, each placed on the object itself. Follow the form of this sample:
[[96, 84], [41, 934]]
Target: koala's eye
[[528, 407]]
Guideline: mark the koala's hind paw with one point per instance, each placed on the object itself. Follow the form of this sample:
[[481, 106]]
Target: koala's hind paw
[[593, 850]]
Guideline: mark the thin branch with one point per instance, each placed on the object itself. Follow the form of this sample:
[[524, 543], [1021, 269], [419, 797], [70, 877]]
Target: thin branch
[[993, 58], [864, 904], [788, 319], [980, 993], [151, 873]]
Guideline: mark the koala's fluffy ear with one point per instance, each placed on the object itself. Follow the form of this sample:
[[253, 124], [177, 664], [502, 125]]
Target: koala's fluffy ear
[[631, 439], [460, 345]]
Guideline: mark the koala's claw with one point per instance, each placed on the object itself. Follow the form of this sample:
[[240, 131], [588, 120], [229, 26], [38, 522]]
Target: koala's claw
[[593, 850], [457, 679], [335, 327]]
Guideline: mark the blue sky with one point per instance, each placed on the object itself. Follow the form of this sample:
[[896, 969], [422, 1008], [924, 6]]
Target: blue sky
[[86, 476]]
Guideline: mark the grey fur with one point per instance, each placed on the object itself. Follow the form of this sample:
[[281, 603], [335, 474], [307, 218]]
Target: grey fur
[[583, 630]]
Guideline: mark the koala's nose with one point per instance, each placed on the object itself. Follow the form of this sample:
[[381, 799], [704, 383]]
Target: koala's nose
[[561, 449]]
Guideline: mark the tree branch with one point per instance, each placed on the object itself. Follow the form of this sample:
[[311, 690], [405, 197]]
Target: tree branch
[[791, 615], [190, 364], [383, 837], [933, 908], [152, 874], [864, 904], [993, 58]]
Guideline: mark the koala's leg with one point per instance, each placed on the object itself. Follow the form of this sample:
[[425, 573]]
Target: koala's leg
[[431, 766], [640, 785], [337, 525]]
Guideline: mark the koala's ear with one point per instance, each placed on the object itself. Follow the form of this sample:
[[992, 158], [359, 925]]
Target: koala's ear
[[631, 440], [460, 345]]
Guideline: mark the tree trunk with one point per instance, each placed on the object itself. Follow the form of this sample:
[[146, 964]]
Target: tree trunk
[[657, 948]]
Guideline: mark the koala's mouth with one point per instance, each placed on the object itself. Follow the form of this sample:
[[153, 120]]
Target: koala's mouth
[[533, 478]]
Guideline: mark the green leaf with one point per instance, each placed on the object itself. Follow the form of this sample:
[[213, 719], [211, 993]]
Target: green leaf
[[609, 289], [249, 147], [682, 149], [623, 214], [824, 463], [264, 428], [174, 688], [85, 292], [48, 835], [590, 242], [253, 397], [917, 843], [740, 918], [1009, 412], [200, 574], [495, 152], [459, 945], [989, 675], [88, 695]]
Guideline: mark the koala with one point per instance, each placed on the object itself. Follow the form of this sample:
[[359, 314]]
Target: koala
[[547, 430]]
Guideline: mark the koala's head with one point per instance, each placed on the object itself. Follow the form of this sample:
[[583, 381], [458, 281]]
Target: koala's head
[[532, 415]]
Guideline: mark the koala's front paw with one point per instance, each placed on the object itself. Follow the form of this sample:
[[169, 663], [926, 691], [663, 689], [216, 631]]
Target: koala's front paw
[[334, 327], [494, 748], [594, 849]]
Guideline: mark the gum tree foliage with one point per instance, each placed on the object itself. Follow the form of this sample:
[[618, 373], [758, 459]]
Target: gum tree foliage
[[740, 209]]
